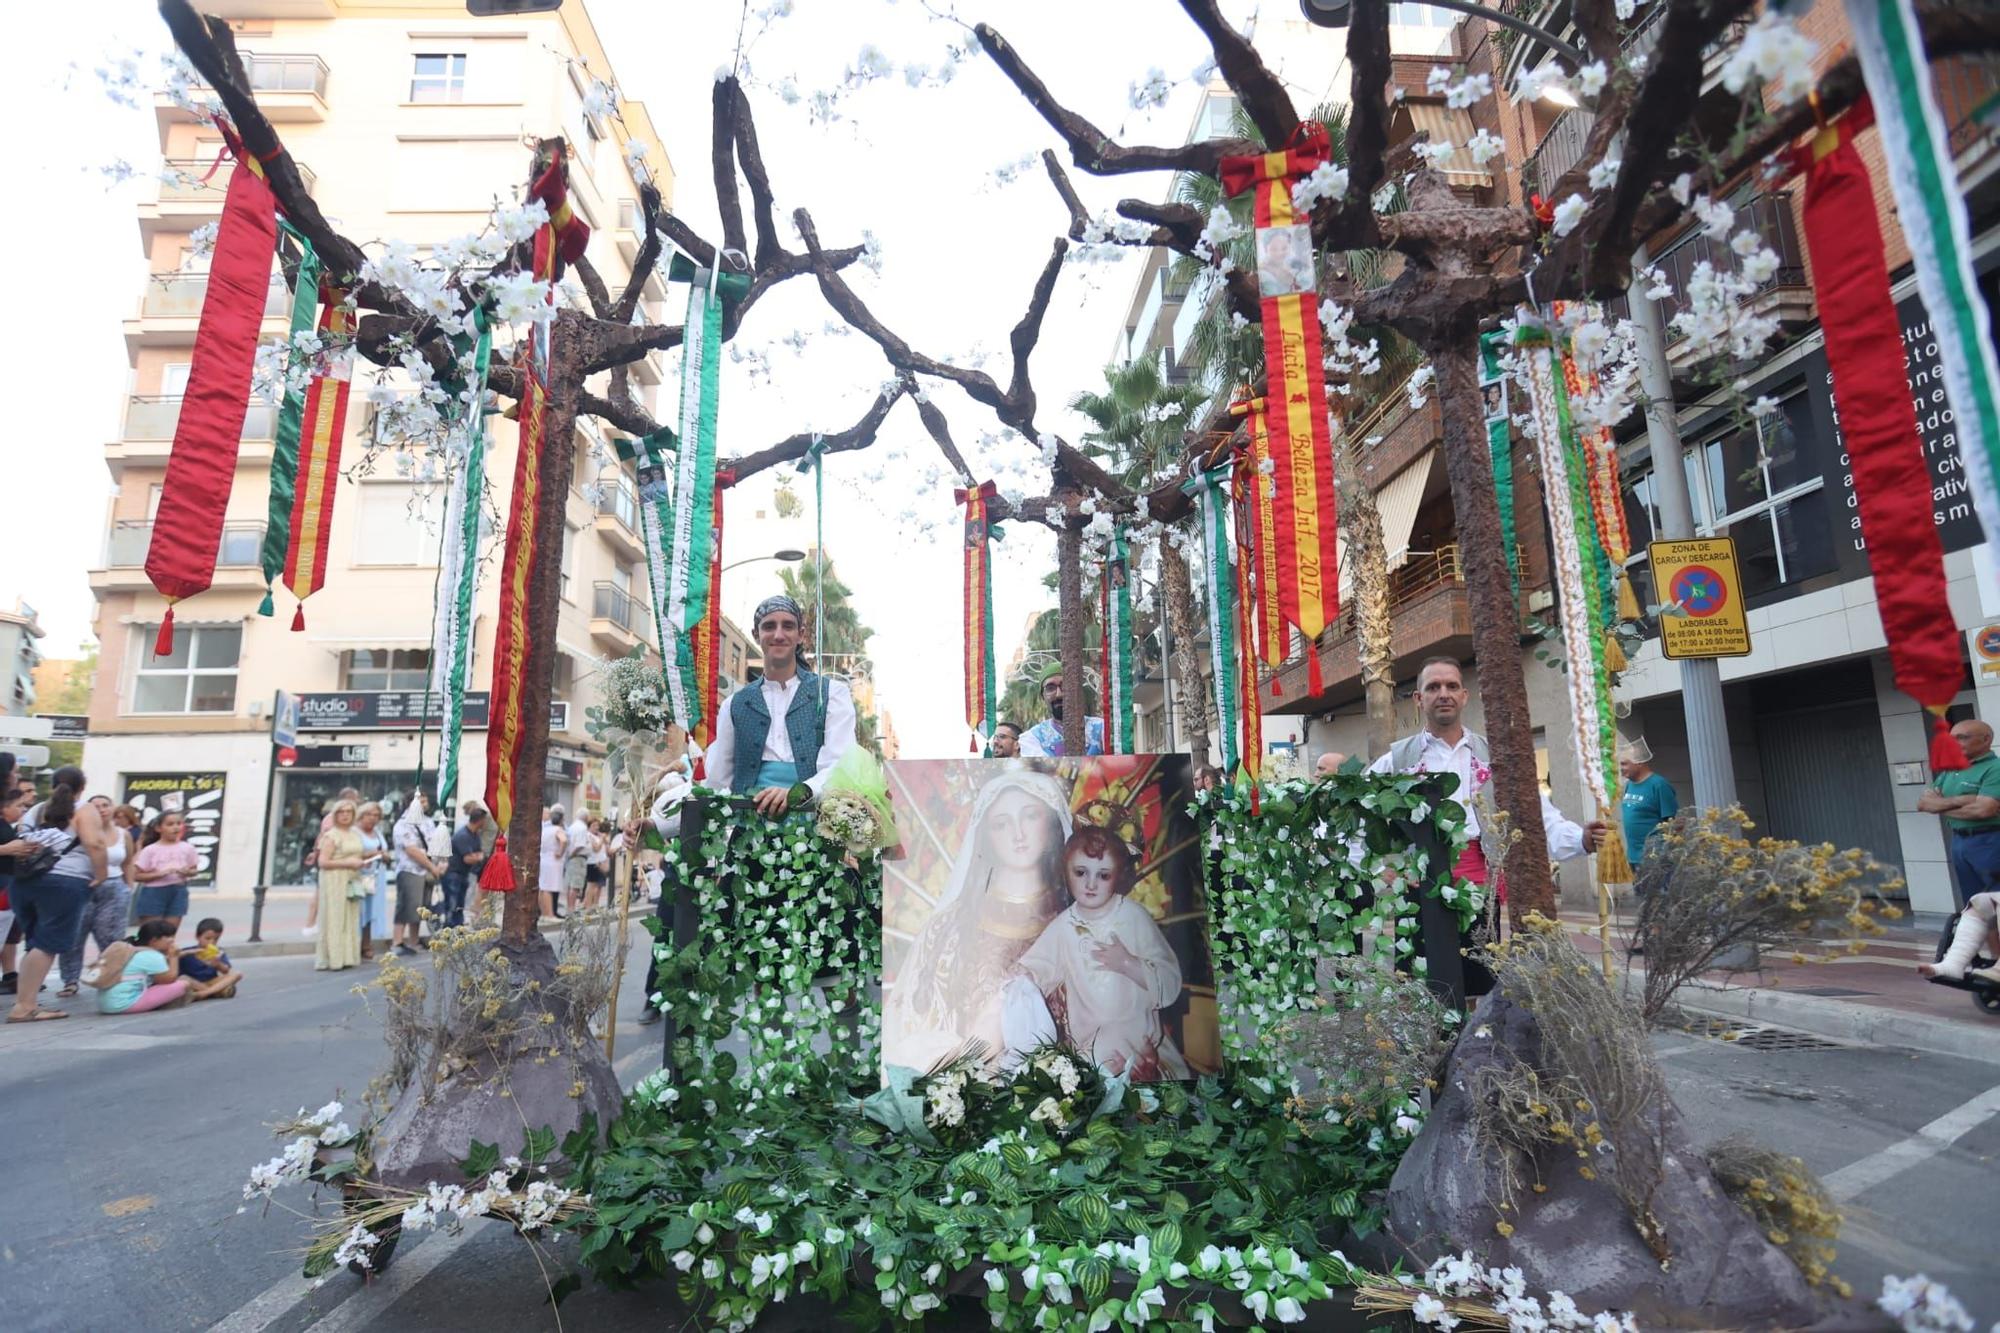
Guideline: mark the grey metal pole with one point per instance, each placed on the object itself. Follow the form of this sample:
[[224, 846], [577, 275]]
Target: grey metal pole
[[1167, 666], [1701, 677]]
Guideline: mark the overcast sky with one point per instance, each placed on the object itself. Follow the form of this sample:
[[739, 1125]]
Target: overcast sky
[[914, 165]]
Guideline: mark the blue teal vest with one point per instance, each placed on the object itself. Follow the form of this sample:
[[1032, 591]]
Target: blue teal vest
[[805, 723]]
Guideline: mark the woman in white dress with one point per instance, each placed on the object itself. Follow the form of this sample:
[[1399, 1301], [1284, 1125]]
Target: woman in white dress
[[1004, 888]]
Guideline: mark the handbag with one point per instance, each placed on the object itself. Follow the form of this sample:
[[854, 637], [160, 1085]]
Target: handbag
[[38, 860]]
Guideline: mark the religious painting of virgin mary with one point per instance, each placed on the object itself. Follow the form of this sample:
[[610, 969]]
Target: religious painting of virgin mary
[[1048, 900]]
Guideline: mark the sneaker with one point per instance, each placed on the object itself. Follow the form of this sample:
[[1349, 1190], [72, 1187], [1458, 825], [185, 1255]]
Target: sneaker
[[648, 1017], [10, 984], [406, 951]]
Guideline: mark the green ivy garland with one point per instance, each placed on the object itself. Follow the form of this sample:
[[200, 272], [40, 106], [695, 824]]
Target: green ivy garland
[[748, 1180]]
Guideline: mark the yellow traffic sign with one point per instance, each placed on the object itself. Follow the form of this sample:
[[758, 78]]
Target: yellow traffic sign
[[1701, 600]]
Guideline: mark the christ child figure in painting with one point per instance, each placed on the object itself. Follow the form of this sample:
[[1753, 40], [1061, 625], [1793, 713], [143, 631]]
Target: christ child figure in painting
[[1105, 965]]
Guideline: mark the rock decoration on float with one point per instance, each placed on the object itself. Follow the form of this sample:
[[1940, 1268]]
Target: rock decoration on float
[[558, 241], [187, 529], [458, 567], [1115, 620], [981, 682], [1307, 551], [1871, 391], [291, 413]]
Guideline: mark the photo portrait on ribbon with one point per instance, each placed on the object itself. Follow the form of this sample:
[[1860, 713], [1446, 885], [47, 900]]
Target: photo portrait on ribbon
[[1048, 901], [1493, 394], [1284, 261]]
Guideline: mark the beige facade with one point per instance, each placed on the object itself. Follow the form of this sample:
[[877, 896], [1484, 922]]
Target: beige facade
[[413, 120]]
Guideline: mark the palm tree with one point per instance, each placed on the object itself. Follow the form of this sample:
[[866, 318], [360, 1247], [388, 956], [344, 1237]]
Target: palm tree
[[1138, 425]]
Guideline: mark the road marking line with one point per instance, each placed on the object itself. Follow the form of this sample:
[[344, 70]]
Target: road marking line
[[268, 1306], [1858, 1177], [372, 1301]]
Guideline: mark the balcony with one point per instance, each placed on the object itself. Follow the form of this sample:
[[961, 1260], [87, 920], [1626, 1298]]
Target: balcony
[[1642, 40], [618, 519], [288, 87], [148, 436], [1429, 615], [618, 620], [631, 229], [170, 309], [190, 195], [238, 562], [1560, 150], [1787, 294]]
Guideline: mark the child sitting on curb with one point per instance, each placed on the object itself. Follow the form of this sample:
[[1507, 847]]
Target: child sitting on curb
[[130, 979], [207, 966]]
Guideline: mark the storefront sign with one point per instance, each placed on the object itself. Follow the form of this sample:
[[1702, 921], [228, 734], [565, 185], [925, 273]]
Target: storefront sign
[[285, 720], [1697, 580], [399, 710], [197, 797], [324, 756], [68, 726], [564, 770]]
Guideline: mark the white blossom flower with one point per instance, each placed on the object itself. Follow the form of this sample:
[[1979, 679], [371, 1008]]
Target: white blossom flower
[[356, 1248], [1328, 180], [1716, 217], [1682, 187], [519, 297], [1568, 213], [1625, 9], [1435, 154], [1151, 91], [1591, 78], [1774, 51], [1605, 174], [1532, 83], [1484, 146], [1468, 90], [519, 225], [1437, 81]]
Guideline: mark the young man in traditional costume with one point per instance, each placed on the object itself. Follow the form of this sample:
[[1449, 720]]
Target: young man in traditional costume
[[1044, 739], [781, 766], [1445, 746]]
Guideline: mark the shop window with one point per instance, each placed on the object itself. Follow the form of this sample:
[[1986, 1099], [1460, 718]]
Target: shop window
[[385, 669], [438, 77], [198, 676]]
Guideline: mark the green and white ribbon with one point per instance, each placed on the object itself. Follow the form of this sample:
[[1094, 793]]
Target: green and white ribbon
[[648, 455], [1499, 445], [1932, 209], [1219, 554], [458, 573], [291, 418], [1118, 647], [1578, 579], [694, 474]]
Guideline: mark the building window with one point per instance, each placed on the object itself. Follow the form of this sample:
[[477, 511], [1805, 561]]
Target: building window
[[1420, 16], [198, 676], [438, 77], [398, 523], [1763, 483], [569, 563], [385, 669]]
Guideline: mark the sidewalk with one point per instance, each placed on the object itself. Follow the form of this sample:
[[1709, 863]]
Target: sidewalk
[[284, 922], [1873, 997]]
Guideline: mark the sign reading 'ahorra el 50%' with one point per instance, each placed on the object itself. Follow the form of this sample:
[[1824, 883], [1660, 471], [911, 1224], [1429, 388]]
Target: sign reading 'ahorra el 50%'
[[1701, 599]]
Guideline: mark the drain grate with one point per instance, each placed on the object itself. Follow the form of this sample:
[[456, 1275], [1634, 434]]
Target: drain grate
[[1753, 1036]]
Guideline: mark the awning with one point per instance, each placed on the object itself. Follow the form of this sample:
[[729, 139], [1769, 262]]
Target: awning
[[1398, 500], [1453, 126]]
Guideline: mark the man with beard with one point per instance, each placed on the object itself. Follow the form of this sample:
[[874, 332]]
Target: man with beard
[[1006, 741], [1044, 739]]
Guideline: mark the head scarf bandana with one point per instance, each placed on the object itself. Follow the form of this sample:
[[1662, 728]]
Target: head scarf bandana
[[776, 602]]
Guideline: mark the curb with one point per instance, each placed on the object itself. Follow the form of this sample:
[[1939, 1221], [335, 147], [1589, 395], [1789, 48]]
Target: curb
[[293, 948], [1844, 1021]]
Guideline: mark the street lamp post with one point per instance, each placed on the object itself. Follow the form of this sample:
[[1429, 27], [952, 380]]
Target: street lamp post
[[787, 556]]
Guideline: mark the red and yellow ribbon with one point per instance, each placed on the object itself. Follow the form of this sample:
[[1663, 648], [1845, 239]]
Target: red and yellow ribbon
[[1307, 537], [706, 637], [1250, 711], [1600, 461], [978, 590], [1255, 494], [323, 427]]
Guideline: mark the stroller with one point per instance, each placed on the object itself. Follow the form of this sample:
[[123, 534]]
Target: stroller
[[1985, 994]]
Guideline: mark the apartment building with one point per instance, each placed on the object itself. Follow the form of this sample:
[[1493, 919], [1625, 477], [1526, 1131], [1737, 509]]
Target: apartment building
[[1824, 747], [412, 120], [20, 629]]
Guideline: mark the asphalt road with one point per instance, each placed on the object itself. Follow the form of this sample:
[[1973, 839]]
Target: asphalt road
[[126, 1140]]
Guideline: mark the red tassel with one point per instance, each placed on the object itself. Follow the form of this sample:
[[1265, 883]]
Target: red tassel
[[1946, 756], [299, 618], [1256, 797], [163, 645], [973, 745], [1277, 690], [497, 875], [1314, 684]]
